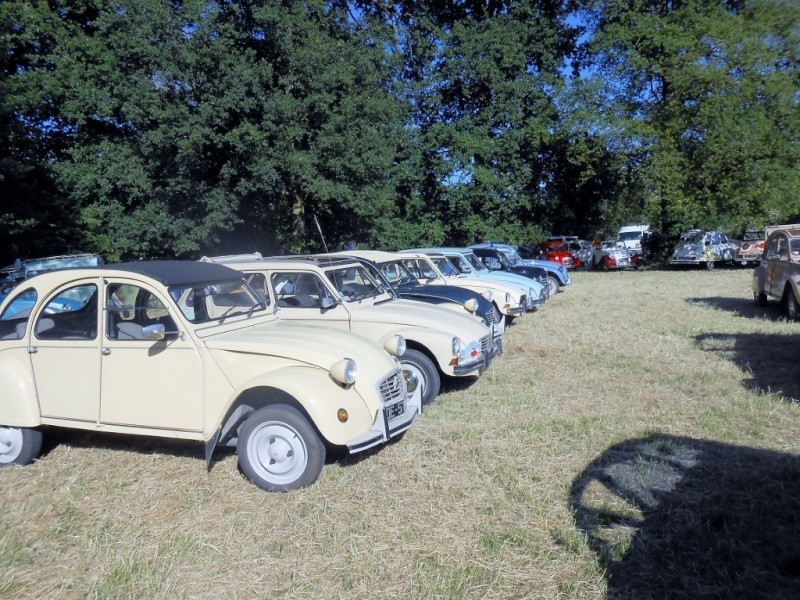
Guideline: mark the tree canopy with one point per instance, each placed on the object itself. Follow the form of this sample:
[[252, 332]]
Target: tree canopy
[[144, 129]]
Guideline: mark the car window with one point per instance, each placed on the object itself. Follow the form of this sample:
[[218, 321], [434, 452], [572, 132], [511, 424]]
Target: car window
[[420, 268], [216, 301], [298, 289], [258, 281], [783, 248], [69, 315], [444, 266], [14, 320], [131, 308]]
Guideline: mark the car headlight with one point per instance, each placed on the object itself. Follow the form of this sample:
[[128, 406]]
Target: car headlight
[[471, 305], [344, 371], [395, 345], [456, 345]]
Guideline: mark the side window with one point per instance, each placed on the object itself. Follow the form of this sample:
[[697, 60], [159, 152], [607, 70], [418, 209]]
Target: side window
[[783, 248], [69, 315], [299, 290], [772, 249], [258, 281], [130, 308], [14, 320]]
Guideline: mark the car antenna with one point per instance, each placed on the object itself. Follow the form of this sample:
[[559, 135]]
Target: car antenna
[[316, 221]]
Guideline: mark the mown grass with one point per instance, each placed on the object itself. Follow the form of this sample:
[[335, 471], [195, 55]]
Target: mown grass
[[638, 439]]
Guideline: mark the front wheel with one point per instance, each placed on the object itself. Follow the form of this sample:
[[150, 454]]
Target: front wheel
[[790, 305], [19, 445], [426, 372], [554, 284], [279, 450]]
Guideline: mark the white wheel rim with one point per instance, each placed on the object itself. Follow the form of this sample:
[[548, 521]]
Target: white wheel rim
[[423, 381], [277, 453], [10, 444]]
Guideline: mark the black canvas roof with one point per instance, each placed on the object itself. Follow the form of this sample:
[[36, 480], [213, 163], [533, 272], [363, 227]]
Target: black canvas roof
[[179, 272]]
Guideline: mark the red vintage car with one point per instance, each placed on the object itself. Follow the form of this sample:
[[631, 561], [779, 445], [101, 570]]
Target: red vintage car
[[557, 251]]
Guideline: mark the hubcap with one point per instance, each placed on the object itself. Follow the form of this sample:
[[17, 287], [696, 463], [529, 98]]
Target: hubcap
[[10, 444], [277, 452]]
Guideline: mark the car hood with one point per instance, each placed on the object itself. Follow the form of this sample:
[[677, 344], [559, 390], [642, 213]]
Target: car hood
[[514, 279], [311, 344], [411, 313]]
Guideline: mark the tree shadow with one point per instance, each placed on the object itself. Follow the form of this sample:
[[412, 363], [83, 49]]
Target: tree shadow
[[769, 359], [678, 518]]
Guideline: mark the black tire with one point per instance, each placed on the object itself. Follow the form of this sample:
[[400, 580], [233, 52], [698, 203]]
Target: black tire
[[554, 283], [790, 308], [279, 450], [426, 372], [760, 299], [19, 445]]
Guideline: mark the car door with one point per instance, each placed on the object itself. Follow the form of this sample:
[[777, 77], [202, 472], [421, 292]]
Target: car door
[[65, 353], [779, 266], [302, 296], [147, 383]]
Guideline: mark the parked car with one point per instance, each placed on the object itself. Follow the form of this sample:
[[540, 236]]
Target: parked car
[[582, 251], [187, 350], [555, 251], [557, 274], [777, 277], [703, 248], [751, 248], [433, 268], [633, 237], [468, 264], [613, 255], [389, 266], [341, 292]]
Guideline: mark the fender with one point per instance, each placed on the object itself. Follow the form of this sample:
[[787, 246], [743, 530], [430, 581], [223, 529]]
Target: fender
[[439, 343], [19, 403], [316, 393]]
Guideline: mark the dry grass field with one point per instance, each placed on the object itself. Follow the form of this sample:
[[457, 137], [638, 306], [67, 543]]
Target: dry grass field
[[638, 439]]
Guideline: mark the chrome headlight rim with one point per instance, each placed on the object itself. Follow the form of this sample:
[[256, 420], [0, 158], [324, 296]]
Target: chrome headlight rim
[[471, 306], [344, 371], [395, 345]]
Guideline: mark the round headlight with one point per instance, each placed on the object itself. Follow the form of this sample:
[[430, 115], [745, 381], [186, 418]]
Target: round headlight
[[412, 382], [344, 371], [471, 305], [456, 345], [395, 345]]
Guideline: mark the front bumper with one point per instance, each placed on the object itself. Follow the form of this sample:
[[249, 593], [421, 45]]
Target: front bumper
[[384, 428]]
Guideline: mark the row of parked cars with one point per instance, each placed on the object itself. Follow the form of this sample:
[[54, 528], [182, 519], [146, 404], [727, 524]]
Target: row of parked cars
[[283, 358]]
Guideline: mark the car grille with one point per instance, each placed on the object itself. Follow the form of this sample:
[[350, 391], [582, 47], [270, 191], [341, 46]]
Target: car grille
[[486, 342], [391, 389], [492, 316], [523, 301]]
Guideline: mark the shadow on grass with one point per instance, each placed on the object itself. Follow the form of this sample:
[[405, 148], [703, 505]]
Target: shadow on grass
[[770, 359], [741, 307], [679, 518]]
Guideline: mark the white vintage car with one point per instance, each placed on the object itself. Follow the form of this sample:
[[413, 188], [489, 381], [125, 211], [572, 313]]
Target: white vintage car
[[341, 292], [613, 255], [188, 350]]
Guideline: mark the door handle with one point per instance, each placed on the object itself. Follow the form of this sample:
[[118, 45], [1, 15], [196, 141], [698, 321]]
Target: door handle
[[32, 349], [105, 350]]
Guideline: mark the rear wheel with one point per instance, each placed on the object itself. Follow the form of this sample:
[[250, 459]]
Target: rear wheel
[[279, 450], [19, 445], [426, 372]]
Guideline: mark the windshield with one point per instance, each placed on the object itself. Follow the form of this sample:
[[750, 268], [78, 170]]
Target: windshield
[[476, 263], [510, 258], [753, 236], [694, 238], [444, 265], [355, 283], [396, 273], [460, 263], [630, 236], [208, 302]]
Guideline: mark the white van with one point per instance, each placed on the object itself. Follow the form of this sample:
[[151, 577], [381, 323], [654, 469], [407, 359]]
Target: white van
[[631, 236]]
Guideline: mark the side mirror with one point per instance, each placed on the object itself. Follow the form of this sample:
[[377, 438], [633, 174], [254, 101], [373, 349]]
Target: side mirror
[[327, 302]]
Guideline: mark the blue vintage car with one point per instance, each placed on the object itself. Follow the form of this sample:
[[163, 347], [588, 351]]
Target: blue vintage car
[[557, 275]]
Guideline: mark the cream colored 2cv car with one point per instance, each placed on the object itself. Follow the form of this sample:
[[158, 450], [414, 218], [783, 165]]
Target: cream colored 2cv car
[[188, 350], [341, 292]]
